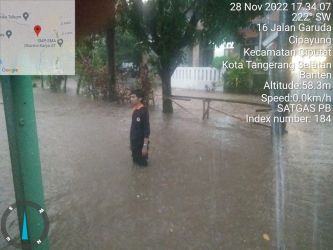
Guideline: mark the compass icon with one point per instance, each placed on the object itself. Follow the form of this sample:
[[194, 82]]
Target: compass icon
[[25, 239]]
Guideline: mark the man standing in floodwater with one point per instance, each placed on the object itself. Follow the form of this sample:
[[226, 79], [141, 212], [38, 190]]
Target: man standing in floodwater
[[140, 129]]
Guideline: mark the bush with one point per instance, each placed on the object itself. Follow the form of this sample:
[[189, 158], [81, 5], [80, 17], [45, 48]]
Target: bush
[[218, 61], [237, 80], [242, 80], [259, 80]]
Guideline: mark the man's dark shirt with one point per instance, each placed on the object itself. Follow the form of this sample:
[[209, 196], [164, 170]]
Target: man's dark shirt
[[140, 127]]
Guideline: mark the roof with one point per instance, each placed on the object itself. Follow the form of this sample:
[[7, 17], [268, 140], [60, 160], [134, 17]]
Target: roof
[[93, 16]]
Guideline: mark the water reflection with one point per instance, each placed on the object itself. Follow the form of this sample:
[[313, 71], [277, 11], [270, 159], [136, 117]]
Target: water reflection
[[304, 171], [280, 166]]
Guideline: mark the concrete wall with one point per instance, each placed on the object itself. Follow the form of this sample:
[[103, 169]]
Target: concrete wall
[[194, 77]]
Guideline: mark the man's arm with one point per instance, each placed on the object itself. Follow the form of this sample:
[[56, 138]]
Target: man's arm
[[146, 126], [146, 130]]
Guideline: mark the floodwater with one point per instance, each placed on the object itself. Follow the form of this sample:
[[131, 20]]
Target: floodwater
[[216, 184]]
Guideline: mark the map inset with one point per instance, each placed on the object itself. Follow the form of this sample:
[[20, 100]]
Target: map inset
[[37, 37]]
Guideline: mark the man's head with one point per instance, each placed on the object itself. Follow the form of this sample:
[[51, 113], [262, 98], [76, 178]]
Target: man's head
[[137, 96]]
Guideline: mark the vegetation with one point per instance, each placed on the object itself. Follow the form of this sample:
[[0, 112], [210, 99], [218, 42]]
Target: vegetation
[[236, 79], [91, 66], [166, 27]]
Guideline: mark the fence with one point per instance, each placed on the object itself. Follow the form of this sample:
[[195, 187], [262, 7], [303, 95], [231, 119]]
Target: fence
[[195, 77]]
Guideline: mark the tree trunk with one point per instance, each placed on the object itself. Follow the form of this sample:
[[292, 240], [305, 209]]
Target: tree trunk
[[166, 92], [78, 86], [110, 44], [65, 84]]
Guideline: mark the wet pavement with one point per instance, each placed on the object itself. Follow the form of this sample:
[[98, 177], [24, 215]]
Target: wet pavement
[[216, 184]]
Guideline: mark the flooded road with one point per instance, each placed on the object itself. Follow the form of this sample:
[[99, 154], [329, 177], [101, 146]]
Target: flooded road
[[217, 184]]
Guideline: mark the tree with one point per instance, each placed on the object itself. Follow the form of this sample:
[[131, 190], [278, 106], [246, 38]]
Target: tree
[[110, 43], [128, 48], [167, 26]]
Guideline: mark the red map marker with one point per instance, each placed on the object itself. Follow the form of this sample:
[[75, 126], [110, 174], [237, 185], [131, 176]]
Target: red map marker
[[37, 29]]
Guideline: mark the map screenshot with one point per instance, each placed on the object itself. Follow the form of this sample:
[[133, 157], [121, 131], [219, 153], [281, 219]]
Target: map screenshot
[[37, 37]]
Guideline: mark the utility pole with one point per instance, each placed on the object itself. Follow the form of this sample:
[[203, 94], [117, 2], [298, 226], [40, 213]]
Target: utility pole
[[24, 151], [282, 75]]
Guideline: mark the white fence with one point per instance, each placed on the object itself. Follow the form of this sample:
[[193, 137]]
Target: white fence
[[194, 77]]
